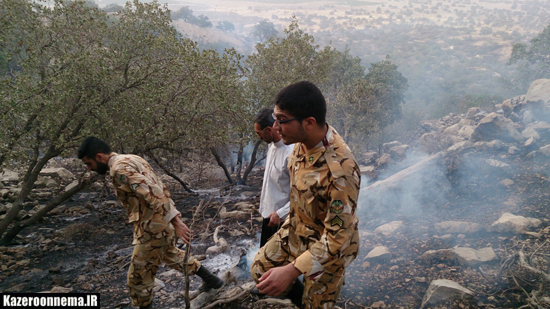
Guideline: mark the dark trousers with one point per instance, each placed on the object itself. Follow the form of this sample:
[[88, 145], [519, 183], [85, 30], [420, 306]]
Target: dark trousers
[[267, 231]]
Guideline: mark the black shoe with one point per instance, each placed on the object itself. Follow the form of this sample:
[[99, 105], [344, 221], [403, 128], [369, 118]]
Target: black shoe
[[296, 293], [209, 280], [150, 306]]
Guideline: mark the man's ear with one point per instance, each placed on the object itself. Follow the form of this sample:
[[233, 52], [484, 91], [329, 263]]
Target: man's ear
[[102, 157], [310, 123]]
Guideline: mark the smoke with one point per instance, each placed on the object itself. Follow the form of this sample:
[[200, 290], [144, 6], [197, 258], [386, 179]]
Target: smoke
[[404, 191]]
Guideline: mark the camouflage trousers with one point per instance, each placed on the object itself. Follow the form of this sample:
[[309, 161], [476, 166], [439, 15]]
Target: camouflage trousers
[[147, 258], [279, 251]]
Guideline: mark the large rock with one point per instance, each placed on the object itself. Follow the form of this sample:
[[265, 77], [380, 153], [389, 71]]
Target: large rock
[[473, 257], [512, 223], [60, 173], [379, 254], [389, 228], [443, 290], [495, 126], [539, 91], [8, 176]]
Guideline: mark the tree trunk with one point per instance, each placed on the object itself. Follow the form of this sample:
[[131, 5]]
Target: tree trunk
[[239, 164], [222, 165], [167, 171], [10, 235], [252, 161], [28, 183]]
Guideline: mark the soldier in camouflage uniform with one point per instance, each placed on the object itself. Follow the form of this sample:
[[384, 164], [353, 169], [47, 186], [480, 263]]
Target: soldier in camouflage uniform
[[319, 239], [157, 223]]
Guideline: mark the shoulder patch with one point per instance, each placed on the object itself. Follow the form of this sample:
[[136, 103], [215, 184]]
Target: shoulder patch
[[337, 207], [123, 179]]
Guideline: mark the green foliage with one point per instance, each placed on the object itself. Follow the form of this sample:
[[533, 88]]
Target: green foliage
[[283, 61], [264, 30], [533, 61], [225, 26], [186, 14], [362, 106]]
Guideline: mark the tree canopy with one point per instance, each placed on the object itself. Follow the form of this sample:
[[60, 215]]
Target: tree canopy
[[533, 61]]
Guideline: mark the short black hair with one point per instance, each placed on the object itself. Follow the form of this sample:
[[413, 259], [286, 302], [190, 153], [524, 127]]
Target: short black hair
[[264, 117], [91, 146], [302, 100]]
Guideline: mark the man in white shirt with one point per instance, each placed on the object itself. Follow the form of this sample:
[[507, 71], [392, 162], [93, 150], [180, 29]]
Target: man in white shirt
[[275, 197]]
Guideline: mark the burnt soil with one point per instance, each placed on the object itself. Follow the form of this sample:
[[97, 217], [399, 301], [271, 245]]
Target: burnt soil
[[86, 245]]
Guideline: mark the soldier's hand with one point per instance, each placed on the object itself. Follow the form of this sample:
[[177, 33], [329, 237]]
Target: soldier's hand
[[274, 219], [183, 232], [276, 280]]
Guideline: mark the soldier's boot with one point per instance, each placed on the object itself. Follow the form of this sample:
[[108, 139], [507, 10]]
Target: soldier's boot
[[209, 280], [296, 293], [150, 306]]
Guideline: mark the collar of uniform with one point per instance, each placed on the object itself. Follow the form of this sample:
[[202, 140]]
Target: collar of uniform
[[314, 154], [111, 162]]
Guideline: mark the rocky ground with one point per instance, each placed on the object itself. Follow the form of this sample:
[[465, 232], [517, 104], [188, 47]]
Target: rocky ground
[[459, 218]]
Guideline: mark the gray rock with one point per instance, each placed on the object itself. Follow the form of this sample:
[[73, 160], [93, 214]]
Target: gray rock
[[61, 173], [495, 126], [71, 185], [442, 290], [545, 150], [389, 228], [370, 157], [9, 176], [379, 254], [513, 150], [473, 112], [472, 257], [399, 151], [384, 160], [512, 223], [387, 146], [5, 207], [45, 182], [466, 131], [159, 285], [528, 117], [530, 133], [539, 91], [460, 147], [507, 182]]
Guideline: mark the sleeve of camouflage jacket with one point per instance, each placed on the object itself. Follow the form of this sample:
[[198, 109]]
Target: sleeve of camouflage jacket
[[338, 245], [150, 191]]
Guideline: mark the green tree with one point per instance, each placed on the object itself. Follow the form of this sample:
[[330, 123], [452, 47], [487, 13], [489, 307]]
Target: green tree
[[533, 62], [184, 13], [133, 82], [362, 106], [225, 26], [202, 21], [264, 30], [283, 61]]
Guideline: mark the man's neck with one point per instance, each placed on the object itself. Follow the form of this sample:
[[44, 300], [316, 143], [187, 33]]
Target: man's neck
[[315, 137]]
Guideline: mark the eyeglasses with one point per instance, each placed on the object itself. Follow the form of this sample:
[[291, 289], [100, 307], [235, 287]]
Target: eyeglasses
[[260, 133], [286, 120]]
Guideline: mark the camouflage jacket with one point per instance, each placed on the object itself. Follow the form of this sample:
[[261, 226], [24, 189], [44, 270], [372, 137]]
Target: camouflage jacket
[[142, 193], [322, 224]]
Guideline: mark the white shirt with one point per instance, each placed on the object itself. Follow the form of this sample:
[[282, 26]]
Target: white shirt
[[276, 185]]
